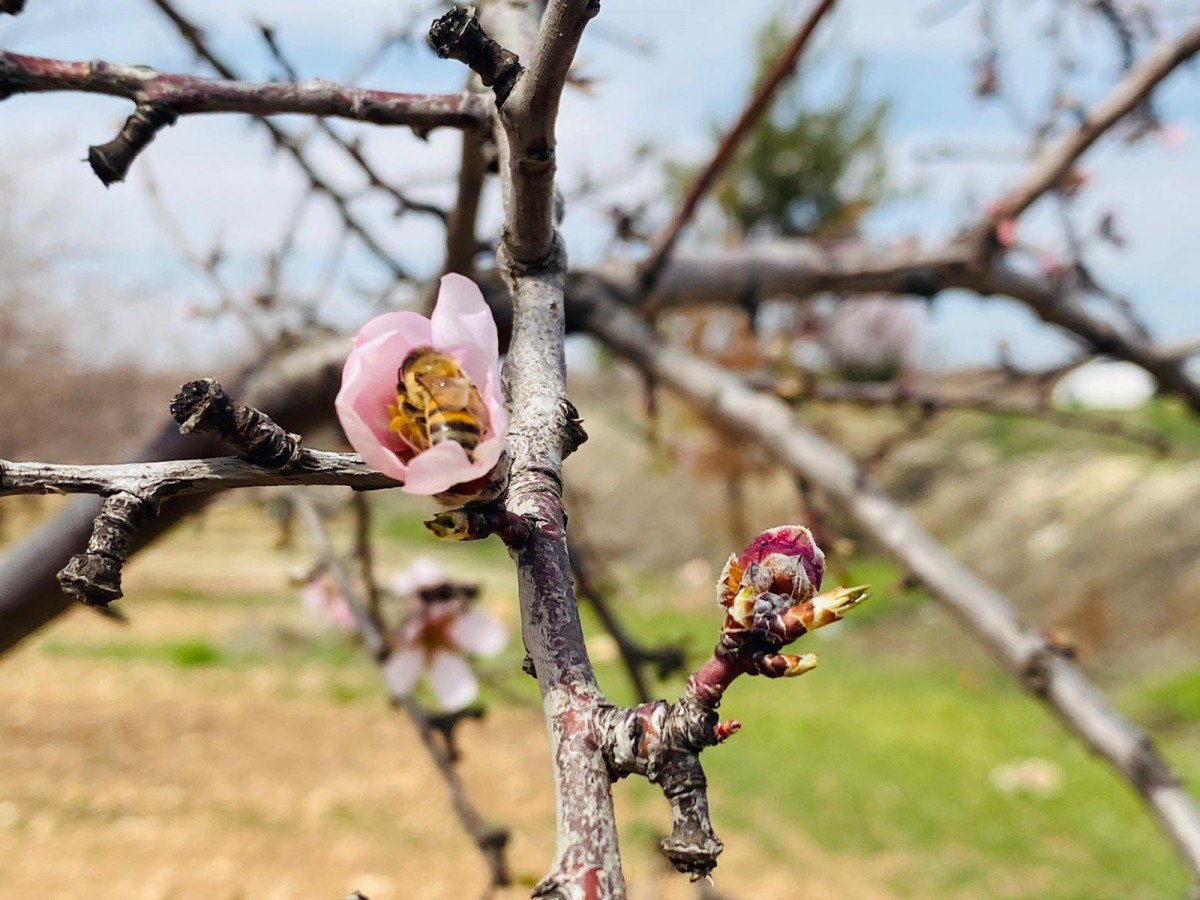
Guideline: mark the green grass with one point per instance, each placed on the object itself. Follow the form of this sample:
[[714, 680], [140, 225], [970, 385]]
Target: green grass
[[1016, 435], [330, 652], [868, 755], [1171, 701], [184, 654]]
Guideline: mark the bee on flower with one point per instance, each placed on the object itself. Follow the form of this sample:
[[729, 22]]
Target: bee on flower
[[420, 399]]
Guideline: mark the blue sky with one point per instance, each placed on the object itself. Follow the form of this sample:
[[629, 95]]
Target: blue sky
[[219, 174]]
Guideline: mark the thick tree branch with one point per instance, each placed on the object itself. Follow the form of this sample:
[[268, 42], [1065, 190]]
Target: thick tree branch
[[296, 388], [780, 72], [158, 481], [544, 427], [1034, 660], [797, 268]]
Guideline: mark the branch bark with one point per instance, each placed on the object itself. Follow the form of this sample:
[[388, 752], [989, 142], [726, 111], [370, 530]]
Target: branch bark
[[799, 268], [188, 94], [544, 428], [296, 389], [491, 841]]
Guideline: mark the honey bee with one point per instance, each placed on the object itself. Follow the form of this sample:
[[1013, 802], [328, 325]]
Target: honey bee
[[436, 402]]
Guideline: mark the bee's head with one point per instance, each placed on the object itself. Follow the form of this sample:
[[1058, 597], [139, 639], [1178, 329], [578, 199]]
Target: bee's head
[[412, 360]]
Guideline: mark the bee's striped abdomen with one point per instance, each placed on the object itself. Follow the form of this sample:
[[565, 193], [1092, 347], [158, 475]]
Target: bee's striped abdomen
[[454, 425]]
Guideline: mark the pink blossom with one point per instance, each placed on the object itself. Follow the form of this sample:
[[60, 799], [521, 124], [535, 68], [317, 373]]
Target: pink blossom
[[461, 327], [422, 573], [1006, 232], [1172, 136], [321, 597], [434, 643]]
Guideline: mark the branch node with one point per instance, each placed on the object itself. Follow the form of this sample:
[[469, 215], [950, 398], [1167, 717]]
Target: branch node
[[458, 35], [111, 161], [94, 577], [204, 407], [474, 522], [574, 434]]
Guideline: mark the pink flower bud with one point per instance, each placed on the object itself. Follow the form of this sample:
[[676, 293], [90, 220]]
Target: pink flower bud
[[793, 558], [369, 406]]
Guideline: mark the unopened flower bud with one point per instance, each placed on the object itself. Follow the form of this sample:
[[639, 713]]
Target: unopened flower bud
[[791, 556]]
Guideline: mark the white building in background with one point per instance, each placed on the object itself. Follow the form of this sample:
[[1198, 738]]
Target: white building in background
[[1104, 384]]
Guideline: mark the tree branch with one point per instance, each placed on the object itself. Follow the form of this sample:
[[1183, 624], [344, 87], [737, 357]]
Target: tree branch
[[1034, 660], [799, 268], [1056, 160], [404, 203], [188, 94], [491, 841], [544, 426], [895, 394], [282, 139], [158, 481]]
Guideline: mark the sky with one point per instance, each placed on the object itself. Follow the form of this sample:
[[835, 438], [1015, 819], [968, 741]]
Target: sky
[[124, 280]]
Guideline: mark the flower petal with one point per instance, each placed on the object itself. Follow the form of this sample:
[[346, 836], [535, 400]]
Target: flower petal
[[474, 631], [402, 670], [462, 324], [412, 324], [440, 468], [313, 597], [452, 680], [422, 573], [368, 388]]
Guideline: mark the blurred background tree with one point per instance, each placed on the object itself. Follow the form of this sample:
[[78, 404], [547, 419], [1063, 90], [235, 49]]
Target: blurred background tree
[[806, 170]]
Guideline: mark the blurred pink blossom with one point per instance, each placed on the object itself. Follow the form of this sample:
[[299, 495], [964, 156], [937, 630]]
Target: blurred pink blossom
[[1172, 136], [461, 327], [872, 338], [422, 573], [321, 597], [434, 642]]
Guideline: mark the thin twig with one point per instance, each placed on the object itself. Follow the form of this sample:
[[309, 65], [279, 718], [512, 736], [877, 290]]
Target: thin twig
[[781, 70], [490, 840], [1056, 160]]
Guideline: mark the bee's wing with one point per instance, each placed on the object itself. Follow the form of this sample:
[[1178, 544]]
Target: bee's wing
[[456, 392], [448, 391]]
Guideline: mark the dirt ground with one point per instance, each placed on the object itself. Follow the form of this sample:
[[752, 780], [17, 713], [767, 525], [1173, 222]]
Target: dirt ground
[[138, 779]]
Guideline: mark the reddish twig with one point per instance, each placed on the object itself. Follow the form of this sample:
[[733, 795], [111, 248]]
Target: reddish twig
[[188, 94], [781, 70]]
